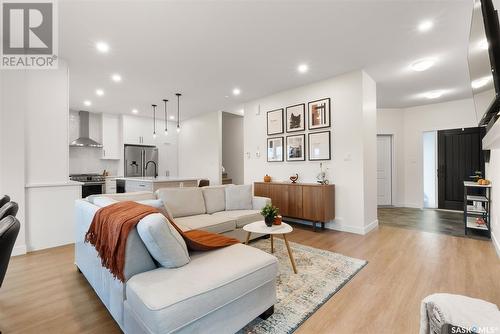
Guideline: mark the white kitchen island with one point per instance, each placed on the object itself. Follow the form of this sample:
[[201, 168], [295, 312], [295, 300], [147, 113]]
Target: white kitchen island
[[153, 183]]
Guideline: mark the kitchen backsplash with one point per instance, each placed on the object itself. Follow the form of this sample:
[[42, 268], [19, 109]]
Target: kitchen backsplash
[[88, 160]]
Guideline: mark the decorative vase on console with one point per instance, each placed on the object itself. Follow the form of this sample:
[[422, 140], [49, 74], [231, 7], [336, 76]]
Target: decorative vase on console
[[270, 213], [321, 177]]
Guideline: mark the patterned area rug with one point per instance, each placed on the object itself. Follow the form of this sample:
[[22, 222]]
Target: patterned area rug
[[320, 275]]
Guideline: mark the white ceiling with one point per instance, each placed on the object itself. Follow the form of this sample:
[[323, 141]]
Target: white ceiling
[[204, 49]]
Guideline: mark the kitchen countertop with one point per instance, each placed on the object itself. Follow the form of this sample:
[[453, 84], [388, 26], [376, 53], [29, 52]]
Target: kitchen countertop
[[160, 178]]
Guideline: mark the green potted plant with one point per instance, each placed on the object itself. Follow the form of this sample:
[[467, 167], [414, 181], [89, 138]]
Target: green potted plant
[[269, 212]]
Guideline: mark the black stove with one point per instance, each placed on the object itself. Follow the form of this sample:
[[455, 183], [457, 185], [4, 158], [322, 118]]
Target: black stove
[[93, 184]]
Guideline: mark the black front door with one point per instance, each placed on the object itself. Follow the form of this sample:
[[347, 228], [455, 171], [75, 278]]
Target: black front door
[[460, 154]]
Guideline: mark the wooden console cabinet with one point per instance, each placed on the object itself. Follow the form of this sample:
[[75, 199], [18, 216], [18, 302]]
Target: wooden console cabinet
[[307, 201]]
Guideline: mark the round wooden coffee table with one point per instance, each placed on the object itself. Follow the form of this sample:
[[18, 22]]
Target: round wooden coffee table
[[261, 228]]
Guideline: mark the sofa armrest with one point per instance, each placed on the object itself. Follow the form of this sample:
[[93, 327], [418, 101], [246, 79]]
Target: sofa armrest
[[259, 202]]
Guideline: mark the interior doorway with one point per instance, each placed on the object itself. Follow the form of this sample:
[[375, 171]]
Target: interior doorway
[[232, 149], [429, 145], [384, 170], [460, 155]]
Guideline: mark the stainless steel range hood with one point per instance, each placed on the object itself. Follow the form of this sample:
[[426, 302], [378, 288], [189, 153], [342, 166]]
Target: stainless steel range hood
[[84, 140]]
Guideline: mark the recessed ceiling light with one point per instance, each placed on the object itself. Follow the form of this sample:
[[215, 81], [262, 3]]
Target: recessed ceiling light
[[172, 117], [236, 91], [423, 64], [433, 94], [87, 103], [480, 82], [302, 68], [116, 77], [425, 25], [102, 47], [99, 92], [135, 111]]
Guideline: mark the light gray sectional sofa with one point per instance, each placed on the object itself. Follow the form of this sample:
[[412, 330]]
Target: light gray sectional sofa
[[218, 291]]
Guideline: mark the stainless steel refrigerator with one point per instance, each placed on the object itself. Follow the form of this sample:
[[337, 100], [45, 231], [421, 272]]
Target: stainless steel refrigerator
[[136, 157]]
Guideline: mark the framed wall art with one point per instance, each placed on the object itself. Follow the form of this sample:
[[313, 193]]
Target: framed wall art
[[319, 114], [296, 118], [275, 149], [296, 148], [319, 145], [275, 122]]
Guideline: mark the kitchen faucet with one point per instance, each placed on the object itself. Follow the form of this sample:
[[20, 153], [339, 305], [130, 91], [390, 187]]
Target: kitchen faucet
[[154, 163]]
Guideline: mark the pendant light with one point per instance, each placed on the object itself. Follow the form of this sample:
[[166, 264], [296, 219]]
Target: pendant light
[[154, 120], [166, 117], [178, 113]]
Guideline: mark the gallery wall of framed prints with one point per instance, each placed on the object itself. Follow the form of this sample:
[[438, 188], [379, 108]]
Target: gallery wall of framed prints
[[292, 119]]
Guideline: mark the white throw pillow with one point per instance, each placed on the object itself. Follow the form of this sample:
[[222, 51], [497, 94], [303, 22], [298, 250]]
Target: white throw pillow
[[163, 241], [102, 201], [183, 202], [133, 196], [239, 197], [215, 198], [158, 204]]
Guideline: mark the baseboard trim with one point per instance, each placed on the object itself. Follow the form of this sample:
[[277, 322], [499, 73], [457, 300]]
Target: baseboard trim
[[373, 225], [496, 244], [338, 226], [19, 250]]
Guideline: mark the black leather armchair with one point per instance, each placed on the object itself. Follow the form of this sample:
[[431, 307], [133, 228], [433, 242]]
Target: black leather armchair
[[4, 199], [9, 229], [8, 209]]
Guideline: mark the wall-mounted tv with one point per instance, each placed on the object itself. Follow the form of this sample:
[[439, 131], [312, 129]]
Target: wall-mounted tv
[[484, 61]]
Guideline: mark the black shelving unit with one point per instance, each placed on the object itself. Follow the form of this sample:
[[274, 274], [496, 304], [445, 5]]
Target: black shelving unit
[[481, 194]]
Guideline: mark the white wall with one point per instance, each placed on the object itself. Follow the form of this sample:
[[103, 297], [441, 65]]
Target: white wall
[[35, 154], [13, 100], [233, 146], [200, 147], [407, 126], [353, 140], [168, 153], [493, 174]]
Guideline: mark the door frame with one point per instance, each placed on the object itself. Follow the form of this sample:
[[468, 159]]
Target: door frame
[[391, 164]]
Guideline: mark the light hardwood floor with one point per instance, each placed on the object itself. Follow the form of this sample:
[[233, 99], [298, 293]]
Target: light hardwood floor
[[43, 292]]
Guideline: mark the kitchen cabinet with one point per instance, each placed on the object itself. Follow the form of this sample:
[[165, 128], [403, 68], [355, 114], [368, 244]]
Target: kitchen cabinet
[[152, 184], [138, 130], [110, 185], [111, 137]]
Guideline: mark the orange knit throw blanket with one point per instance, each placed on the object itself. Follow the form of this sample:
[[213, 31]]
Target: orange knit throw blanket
[[112, 224]]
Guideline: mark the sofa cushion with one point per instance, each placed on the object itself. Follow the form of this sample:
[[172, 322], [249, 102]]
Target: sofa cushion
[[210, 223], [163, 241], [133, 196], [215, 198], [183, 202], [242, 217], [239, 197], [103, 201], [211, 280]]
